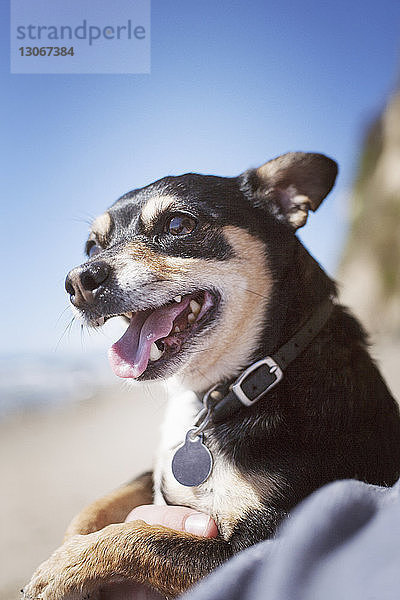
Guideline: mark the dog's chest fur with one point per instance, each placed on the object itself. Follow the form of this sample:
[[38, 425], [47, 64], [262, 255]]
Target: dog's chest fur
[[225, 495]]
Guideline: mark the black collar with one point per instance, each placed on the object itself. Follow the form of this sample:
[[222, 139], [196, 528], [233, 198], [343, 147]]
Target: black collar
[[223, 400]]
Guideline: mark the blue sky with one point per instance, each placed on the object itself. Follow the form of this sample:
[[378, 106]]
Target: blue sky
[[232, 84]]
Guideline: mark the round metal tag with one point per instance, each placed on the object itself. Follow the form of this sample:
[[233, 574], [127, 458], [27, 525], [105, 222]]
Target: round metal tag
[[192, 462]]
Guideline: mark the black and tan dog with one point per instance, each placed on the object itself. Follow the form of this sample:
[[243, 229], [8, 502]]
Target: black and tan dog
[[216, 286]]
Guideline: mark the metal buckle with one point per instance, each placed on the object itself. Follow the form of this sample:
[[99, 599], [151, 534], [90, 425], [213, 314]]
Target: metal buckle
[[274, 369]]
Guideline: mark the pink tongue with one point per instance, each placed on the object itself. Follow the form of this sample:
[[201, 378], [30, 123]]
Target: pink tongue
[[129, 356]]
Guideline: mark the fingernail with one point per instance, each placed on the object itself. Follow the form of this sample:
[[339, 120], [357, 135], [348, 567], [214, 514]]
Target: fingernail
[[197, 524]]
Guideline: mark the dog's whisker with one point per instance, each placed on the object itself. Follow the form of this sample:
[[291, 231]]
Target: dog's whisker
[[67, 329], [67, 308], [82, 334], [201, 350], [84, 218], [246, 289]]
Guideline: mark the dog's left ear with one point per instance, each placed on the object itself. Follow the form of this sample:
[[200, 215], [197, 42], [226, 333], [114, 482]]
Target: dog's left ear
[[292, 184]]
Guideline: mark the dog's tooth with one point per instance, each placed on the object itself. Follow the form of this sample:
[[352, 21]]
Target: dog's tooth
[[155, 352], [177, 330], [128, 315], [191, 318], [195, 307], [100, 321], [178, 299]]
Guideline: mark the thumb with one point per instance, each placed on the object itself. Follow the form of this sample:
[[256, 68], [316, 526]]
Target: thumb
[[179, 518]]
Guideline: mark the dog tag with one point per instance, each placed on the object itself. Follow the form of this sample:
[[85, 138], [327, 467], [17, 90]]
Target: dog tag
[[192, 462]]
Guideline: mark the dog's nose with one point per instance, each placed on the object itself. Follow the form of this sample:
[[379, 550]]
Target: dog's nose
[[82, 281]]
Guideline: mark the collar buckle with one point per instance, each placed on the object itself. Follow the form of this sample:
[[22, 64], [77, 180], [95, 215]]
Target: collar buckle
[[257, 380]]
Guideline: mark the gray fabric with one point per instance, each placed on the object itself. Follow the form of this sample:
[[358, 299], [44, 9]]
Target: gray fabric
[[342, 543]]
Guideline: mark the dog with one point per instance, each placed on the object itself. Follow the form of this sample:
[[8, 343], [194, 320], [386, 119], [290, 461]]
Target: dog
[[279, 394]]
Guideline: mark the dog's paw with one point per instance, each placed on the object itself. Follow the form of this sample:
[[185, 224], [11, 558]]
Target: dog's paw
[[66, 575]]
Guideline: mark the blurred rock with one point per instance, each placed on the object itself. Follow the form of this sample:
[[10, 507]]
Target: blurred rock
[[369, 274], [370, 269]]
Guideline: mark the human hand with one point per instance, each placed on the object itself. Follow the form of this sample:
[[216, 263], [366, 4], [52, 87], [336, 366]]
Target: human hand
[[180, 518]]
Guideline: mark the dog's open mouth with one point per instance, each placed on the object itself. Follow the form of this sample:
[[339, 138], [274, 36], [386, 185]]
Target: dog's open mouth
[[155, 335]]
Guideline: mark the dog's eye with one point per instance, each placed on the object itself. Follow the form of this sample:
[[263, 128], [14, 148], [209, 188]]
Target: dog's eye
[[180, 224], [92, 248]]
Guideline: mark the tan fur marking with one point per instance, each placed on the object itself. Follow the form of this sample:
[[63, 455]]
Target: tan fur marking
[[154, 207], [232, 496], [160, 265], [101, 227], [245, 282]]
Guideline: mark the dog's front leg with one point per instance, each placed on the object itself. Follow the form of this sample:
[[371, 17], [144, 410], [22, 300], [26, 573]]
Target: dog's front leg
[[166, 560], [112, 508]]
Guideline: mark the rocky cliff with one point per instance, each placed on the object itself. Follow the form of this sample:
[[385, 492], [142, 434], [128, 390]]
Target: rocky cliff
[[370, 269]]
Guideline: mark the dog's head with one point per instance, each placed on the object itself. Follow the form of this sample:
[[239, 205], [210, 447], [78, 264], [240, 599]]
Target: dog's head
[[191, 262]]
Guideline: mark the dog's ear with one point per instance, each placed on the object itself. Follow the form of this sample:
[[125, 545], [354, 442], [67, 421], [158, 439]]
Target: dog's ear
[[292, 184]]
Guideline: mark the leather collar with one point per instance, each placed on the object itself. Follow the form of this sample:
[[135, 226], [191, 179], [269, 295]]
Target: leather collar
[[223, 400]]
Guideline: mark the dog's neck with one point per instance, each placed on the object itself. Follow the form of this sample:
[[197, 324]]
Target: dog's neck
[[304, 286], [301, 286]]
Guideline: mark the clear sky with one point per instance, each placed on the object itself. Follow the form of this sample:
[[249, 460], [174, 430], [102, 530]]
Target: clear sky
[[232, 84]]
